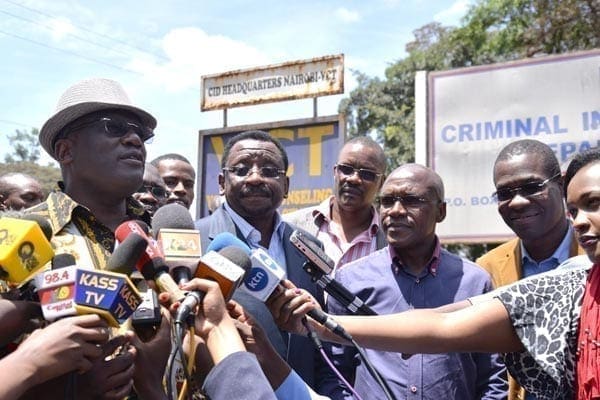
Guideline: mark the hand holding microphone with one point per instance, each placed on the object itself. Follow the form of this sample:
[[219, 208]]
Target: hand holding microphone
[[70, 344], [213, 322], [291, 305]]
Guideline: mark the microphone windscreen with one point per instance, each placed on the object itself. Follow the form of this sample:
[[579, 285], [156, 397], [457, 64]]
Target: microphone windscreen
[[144, 226], [127, 254], [238, 256], [42, 222], [225, 239], [63, 260], [172, 216]]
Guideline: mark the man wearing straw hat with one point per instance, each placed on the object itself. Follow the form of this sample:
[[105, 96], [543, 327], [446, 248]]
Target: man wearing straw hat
[[97, 136]]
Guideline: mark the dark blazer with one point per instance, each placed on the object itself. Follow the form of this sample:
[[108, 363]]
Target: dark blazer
[[298, 351], [238, 376]]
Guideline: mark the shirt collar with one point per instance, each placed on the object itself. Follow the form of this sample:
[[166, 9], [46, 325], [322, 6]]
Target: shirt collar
[[322, 214], [249, 232], [560, 254], [432, 265], [62, 208]]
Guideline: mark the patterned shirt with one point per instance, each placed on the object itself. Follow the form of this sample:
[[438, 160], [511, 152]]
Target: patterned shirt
[[78, 232], [544, 310]]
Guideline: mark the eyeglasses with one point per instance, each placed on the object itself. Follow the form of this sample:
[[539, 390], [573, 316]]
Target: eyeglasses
[[118, 128], [156, 191], [408, 201], [526, 190], [364, 174], [266, 172]]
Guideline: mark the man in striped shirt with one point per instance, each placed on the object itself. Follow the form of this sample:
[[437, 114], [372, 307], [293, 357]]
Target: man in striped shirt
[[347, 223]]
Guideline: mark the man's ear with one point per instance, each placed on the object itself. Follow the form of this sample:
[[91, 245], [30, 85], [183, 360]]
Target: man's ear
[[63, 150], [286, 187], [221, 184], [441, 211]]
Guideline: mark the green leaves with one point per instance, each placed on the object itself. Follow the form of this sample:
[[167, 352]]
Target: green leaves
[[492, 31]]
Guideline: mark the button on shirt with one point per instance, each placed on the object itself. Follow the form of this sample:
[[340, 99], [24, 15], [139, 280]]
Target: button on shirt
[[388, 287]]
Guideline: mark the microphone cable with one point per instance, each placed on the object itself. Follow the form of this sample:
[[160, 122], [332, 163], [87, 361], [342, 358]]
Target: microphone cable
[[312, 335]]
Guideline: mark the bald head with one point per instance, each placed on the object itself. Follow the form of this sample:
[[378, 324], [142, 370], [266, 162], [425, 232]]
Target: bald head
[[19, 191], [422, 177]]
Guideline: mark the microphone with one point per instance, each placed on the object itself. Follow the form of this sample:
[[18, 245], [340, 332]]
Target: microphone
[[318, 266], [227, 267], [173, 228], [42, 222], [264, 280], [71, 290], [127, 254], [123, 260], [24, 248], [152, 264]]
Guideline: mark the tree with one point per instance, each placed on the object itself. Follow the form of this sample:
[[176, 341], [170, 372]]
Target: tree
[[492, 31], [24, 158], [25, 145]]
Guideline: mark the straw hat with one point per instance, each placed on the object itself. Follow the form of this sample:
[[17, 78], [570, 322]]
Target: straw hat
[[86, 97]]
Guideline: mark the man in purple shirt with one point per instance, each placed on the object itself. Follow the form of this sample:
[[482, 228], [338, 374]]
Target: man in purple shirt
[[413, 271]]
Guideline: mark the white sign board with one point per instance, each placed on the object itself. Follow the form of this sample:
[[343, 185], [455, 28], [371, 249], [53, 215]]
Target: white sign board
[[475, 112], [320, 76]]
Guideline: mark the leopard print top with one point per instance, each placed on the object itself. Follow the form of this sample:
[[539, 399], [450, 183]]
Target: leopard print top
[[544, 311]]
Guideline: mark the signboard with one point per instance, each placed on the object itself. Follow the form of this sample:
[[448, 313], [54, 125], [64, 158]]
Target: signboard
[[312, 146], [475, 112], [320, 76]]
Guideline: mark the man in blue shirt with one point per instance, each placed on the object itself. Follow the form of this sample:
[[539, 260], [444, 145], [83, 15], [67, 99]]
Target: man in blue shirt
[[413, 271]]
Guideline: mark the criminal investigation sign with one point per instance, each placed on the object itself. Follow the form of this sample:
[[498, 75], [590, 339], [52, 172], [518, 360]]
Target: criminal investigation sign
[[321, 76], [474, 112]]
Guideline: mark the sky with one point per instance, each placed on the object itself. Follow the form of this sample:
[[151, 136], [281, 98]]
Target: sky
[[158, 50]]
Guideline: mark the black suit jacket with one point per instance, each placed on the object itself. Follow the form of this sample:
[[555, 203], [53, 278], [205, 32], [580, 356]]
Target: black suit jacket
[[298, 351]]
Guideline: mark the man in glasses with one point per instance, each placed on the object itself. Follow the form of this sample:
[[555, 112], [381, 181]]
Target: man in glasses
[[98, 136], [254, 183], [179, 177], [153, 193], [413, 271], [347, 223], [529, 194]]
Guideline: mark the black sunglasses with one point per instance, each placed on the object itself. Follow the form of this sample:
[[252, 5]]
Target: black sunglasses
[[156, 191], [265, 172], [527, 190], [408, 201], [116, 127], [364, 174]]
